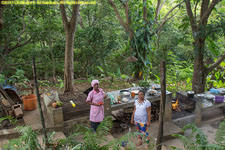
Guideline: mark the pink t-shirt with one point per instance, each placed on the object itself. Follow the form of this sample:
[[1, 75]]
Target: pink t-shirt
[[96, 112]]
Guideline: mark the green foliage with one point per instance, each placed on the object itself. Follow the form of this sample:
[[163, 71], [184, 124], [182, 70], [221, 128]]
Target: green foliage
[[2, 78], [92, 140], [141, 42], [216, 78], [179, 74], [10, 118], [101, 44], [19, 77], [198, 141], [60, 83], [220, 135], [143, 83], [27, 140]]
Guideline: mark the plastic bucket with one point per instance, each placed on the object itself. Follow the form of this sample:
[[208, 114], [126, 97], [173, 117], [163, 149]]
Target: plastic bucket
[[30, 102]]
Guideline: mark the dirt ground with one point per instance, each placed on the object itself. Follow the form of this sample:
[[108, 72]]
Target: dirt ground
[[209, 129], [82, 84]]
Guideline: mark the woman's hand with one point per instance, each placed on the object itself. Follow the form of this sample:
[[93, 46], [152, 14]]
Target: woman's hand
[[132, 121], [148, 123], [100, 103]]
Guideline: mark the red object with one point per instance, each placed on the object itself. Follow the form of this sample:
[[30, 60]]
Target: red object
[[100, 103]]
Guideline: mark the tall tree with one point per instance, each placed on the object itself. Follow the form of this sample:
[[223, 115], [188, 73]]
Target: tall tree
[[199, 33], [70, 29], [19, 24], [135, 29], [1, 11]]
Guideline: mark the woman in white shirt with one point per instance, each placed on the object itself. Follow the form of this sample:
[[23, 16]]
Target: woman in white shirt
[[141, 116]]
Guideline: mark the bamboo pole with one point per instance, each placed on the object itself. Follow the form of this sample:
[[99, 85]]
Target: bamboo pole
[[39, 104], [162, 104]]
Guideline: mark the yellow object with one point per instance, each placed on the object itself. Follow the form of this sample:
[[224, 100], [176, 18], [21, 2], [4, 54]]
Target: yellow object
[[141, 124], [73, 104], [140, 73]]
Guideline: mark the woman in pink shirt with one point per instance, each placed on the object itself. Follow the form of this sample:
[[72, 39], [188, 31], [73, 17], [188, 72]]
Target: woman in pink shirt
[[95, 99]]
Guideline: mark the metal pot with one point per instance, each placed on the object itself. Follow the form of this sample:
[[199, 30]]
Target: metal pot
[[222, 92], [125, 94], [190, 94]]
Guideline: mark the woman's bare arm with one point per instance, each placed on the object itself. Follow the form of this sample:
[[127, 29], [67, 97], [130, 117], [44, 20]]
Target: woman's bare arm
[[132, 117], [90, 103], [149, 115]]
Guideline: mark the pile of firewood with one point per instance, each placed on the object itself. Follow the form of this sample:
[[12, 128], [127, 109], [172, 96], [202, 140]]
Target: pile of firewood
[[154, 113]]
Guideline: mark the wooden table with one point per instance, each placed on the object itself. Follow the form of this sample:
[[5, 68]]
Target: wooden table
[[168, 110]]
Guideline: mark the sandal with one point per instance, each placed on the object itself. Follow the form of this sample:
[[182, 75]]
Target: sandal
[[139, 143]]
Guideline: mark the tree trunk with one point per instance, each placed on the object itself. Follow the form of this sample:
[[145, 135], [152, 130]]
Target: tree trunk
[[200, 74], [2, 63], [68, 65], [1, 14], [1, 68], [70, 29]]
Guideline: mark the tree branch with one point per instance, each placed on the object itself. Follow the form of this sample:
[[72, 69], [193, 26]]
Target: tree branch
[[80, 21], [145, 10], [24, 27], [204, 7], [165, 19], [73, 20], [190, 14], [64, 17], [122, 3], [125, 25], [215, 64], [127, 14], [196, 4], [205, 15], [158, 8], [164, 22], [7, 51]]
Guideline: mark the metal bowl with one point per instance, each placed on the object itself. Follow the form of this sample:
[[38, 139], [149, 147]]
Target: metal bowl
[[135, 91], [209, 96], [222, 92], [200, 95], [125, 94], [152, 92]]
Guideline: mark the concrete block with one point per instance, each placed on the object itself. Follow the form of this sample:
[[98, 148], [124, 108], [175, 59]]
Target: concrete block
[[56, 115]]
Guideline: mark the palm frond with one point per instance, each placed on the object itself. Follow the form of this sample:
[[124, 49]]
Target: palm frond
[[27, 140], [220, 134], [188, 143], [105, 126], [198, 140]]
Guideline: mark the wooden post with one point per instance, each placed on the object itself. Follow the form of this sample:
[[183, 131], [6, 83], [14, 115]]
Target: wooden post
[[198, 112], [107, 107], [162, 104], [39, 104]]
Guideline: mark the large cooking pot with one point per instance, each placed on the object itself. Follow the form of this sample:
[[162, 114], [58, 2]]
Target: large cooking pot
[[190, 94], [125, 94]]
